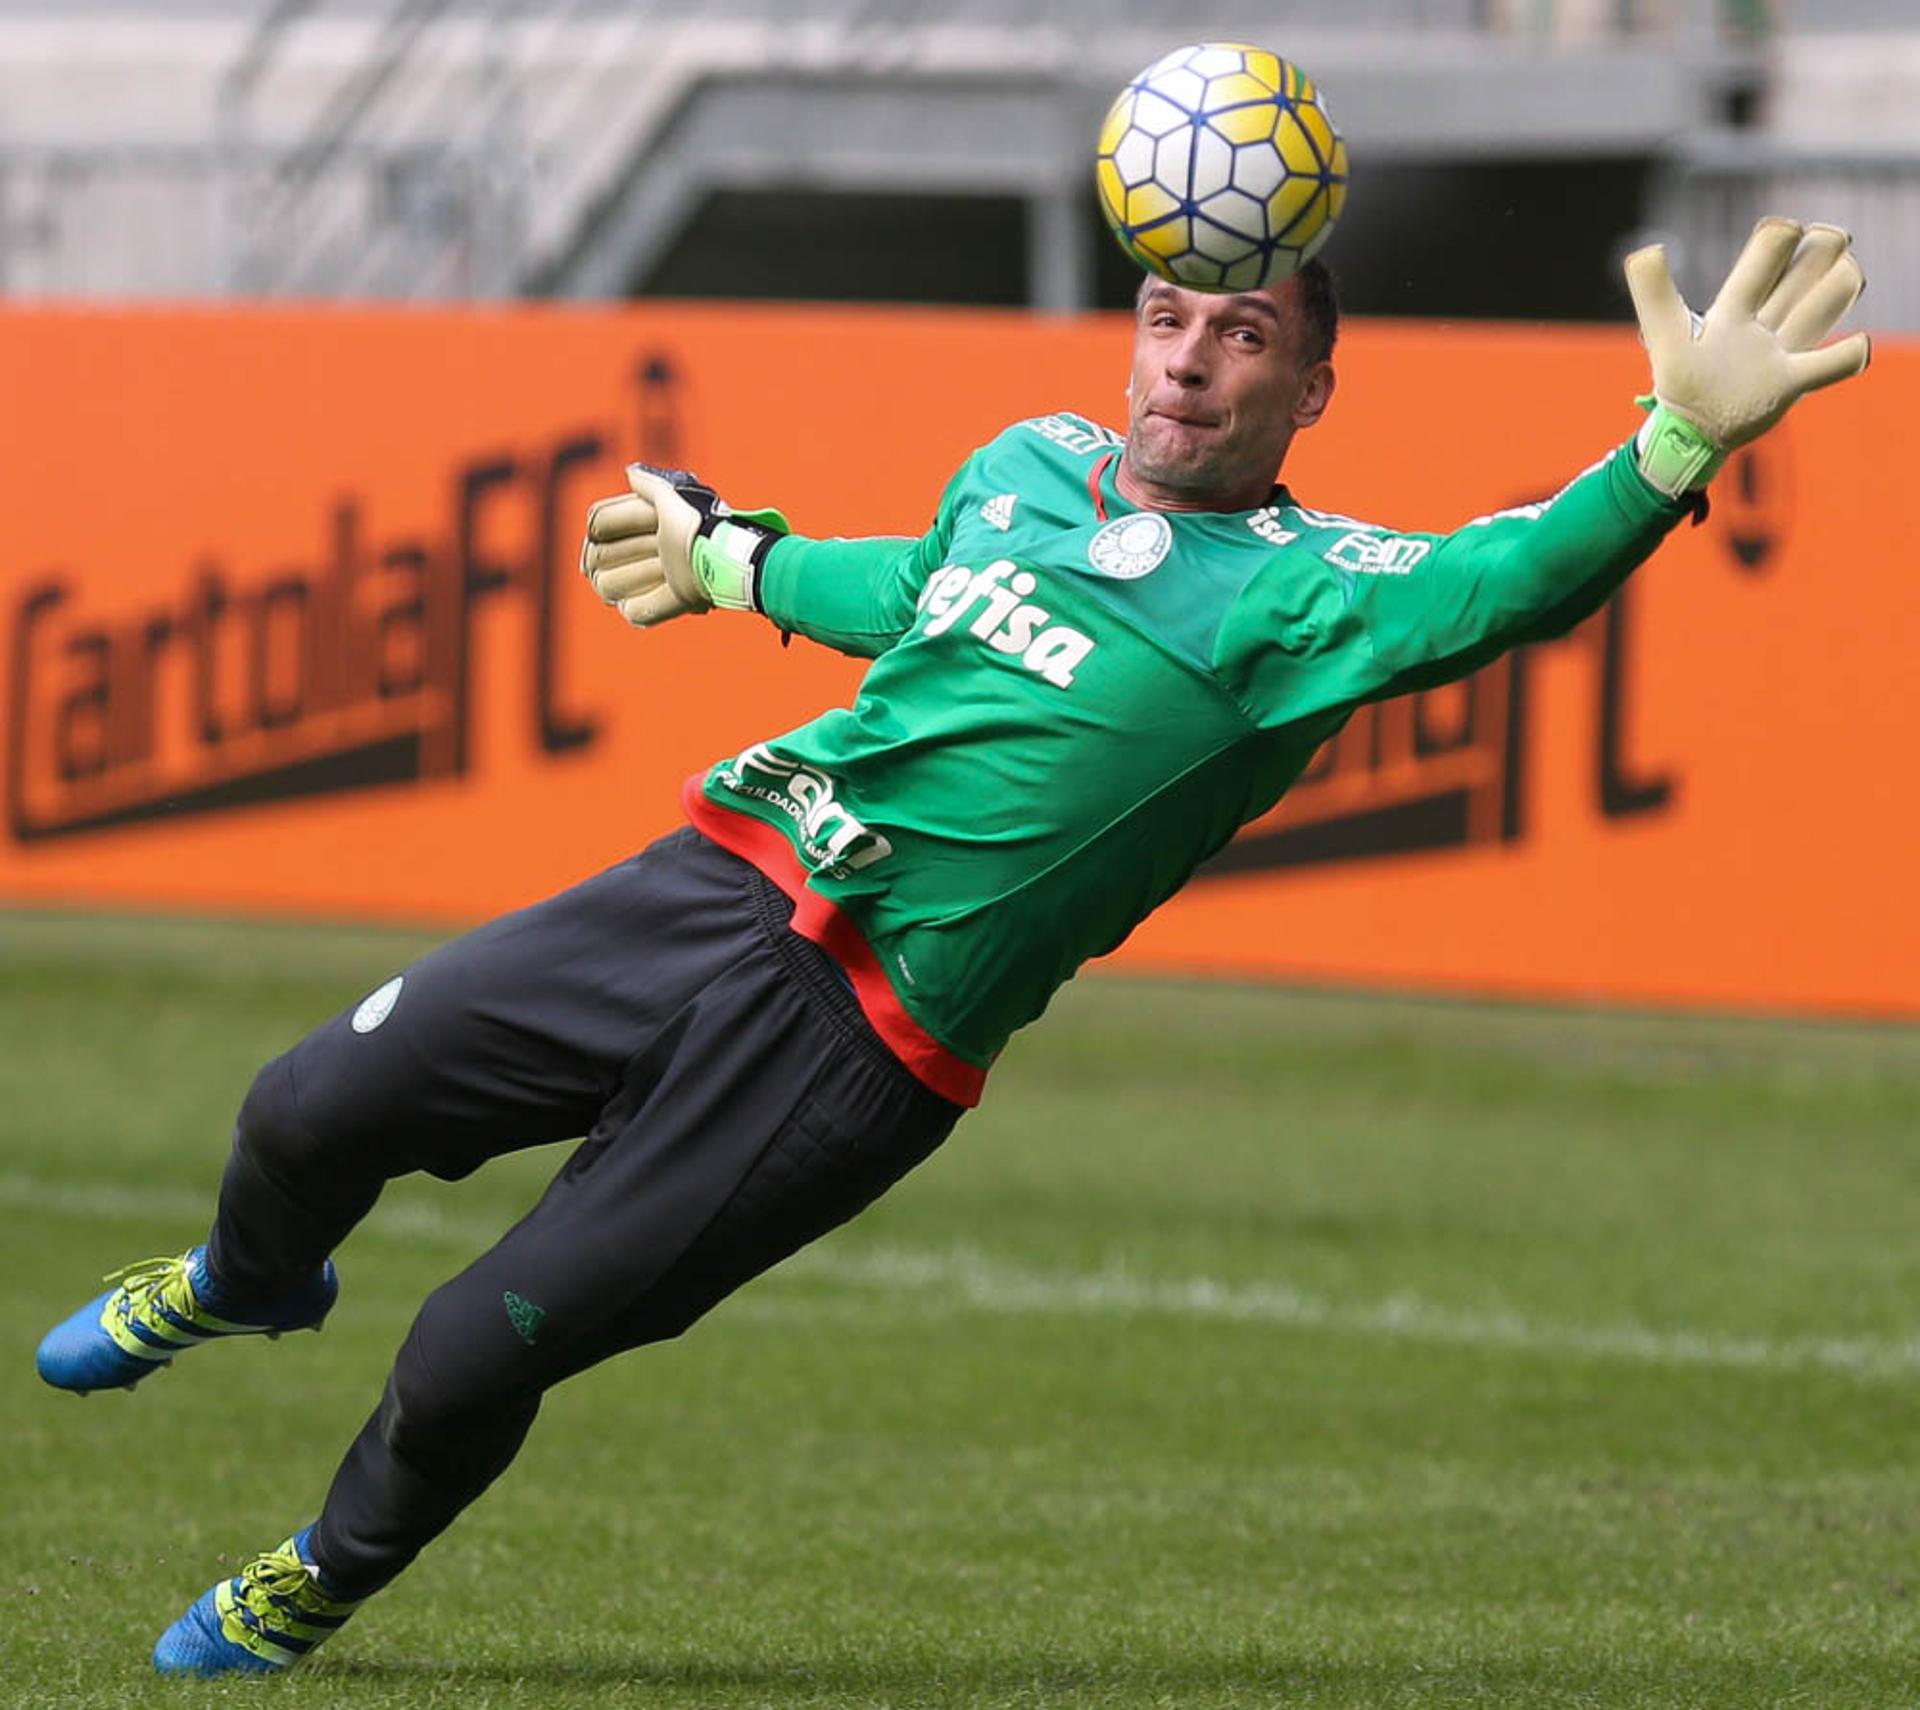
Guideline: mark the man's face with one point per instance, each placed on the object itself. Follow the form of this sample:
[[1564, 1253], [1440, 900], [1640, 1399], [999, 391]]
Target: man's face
[[1217, 393]]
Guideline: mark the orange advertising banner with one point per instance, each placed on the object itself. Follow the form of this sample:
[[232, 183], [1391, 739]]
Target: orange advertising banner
[[292, 625]]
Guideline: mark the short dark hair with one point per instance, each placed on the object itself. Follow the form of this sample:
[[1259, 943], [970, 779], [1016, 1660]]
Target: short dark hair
[[1316, 296]]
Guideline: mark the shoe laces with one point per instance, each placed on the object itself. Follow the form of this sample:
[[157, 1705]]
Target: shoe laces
[[277, 1581], [281, 1586], [152, 1283]]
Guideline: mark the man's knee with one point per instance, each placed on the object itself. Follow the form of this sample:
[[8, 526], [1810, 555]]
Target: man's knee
[[269, 1129], [307, 1118], [451, 1411]]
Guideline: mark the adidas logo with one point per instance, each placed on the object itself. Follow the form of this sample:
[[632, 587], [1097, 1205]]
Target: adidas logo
[[525, 1317], [999, 511]]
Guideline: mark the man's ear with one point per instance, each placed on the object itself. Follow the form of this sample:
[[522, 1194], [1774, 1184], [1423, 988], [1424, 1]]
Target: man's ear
[[1315, 395]]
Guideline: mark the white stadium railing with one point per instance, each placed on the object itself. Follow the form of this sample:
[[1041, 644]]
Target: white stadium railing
[[489, 148], [1716, 184]]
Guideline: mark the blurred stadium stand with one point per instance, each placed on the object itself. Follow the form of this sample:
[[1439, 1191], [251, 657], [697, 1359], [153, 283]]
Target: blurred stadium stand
[[1507, 150]]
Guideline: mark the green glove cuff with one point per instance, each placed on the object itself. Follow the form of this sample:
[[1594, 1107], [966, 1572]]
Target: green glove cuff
[[768, 519], [1675, 456], [727, 553]]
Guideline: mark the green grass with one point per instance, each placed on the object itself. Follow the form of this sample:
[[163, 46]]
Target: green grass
[[1246, 1348]]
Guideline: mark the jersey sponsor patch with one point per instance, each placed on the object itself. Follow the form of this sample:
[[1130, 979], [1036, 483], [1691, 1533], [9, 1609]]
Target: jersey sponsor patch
[[999, 510], [1131, 547], [375, 1007], [1073, 435], [833, 839], [1377, 554], [1266, 524], [996, 602]]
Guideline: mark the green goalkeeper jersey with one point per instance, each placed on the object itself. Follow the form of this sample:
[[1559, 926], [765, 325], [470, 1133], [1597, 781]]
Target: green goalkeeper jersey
[[1074, 702]]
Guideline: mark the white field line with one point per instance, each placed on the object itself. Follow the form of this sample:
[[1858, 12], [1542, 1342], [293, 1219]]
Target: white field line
[[967, 1278]]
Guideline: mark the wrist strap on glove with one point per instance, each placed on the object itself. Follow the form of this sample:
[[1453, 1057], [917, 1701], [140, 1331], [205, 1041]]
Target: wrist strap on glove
[[728, 551], [1675, 456], [728, 546]]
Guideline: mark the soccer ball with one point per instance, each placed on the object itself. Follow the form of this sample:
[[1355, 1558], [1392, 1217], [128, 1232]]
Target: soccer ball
[[1219, 167]]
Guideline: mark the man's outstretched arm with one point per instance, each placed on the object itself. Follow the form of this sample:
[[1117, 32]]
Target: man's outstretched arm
[[1719, 382], [671, 547]]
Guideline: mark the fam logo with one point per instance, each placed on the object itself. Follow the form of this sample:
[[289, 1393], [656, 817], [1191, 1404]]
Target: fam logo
[[348, 663], [1131, 547], [1376, 554], [834, 839]]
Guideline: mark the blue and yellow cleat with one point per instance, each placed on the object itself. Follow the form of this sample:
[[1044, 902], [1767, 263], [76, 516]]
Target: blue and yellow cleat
[[160, 1308], [267, 1617]]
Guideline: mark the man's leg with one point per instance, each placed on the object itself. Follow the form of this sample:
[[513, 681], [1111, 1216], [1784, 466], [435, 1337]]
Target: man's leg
[[773, 1115], [765, 1113], [513, 1035]]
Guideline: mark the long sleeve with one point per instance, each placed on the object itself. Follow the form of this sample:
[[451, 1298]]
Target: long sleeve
[[857, 596], [1349, 612], [1522, 575]]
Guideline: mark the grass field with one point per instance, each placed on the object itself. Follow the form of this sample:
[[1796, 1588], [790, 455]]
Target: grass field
[[1247, 1348]]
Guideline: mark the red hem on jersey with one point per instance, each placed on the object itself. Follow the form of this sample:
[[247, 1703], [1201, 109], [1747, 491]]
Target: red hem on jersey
[[820, 919], [1095, 476]]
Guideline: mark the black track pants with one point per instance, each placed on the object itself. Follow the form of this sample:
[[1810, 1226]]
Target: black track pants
[[735, 1104]]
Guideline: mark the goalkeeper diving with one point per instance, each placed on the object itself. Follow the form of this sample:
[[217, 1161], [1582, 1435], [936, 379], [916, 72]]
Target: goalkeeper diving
[[1106, 654]]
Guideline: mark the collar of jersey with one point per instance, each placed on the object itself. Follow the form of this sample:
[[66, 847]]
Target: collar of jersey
[[1110, 502]]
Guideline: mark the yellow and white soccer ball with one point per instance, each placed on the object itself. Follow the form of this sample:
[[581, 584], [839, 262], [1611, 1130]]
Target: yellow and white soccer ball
[[1219, 167]]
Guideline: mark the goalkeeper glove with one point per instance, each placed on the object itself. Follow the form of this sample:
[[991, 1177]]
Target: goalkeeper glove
[[672, 545], [1721, 381]]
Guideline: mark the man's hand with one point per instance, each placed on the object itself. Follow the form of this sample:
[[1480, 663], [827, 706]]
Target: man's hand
[[670, 546], [1721, 381]]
